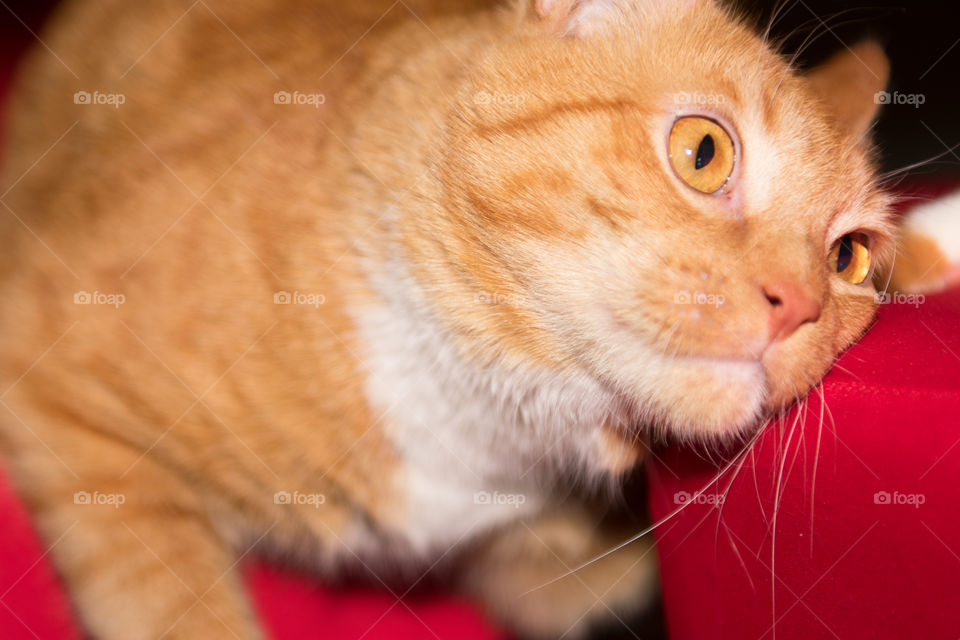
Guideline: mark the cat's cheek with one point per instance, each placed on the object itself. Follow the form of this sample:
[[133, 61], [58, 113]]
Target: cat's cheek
[[792, 374], [854, 310]]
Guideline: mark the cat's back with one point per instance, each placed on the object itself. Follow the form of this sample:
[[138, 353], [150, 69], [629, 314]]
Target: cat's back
[[132, 113], [167, 172], [187, 69], [171, 159]]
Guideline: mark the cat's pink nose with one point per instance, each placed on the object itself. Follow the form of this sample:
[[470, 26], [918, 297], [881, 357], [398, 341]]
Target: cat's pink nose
[[791, 305]]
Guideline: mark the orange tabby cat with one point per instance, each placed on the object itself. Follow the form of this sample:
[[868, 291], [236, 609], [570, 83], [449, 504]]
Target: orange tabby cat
[[279, 281]]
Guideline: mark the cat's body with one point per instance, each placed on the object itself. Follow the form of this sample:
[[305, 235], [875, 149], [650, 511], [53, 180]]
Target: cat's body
[[398, 307]]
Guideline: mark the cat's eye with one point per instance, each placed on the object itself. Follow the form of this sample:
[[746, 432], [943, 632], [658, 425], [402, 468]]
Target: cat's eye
[[702, 153], [850, 258]]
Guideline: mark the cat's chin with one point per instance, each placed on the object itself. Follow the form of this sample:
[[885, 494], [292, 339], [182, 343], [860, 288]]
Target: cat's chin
[[713, 399]]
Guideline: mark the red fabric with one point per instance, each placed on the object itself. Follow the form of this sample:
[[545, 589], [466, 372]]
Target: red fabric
[[847, 562]]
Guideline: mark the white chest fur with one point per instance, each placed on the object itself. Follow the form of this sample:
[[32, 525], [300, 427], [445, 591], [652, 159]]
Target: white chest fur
[[480, 445]]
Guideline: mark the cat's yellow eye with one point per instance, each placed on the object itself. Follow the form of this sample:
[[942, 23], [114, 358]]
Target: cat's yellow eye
[[702, 153], [850, 258]]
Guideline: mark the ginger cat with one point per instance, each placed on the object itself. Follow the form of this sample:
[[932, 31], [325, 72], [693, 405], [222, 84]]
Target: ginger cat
[[371, 298]]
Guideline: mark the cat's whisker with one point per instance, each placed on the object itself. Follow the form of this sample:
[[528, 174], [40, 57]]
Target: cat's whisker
[[804, 410], [789, 68], [845, 370], [777, 497], [883, 177], [810, 39], [774, 17], [816, 463], [653, 527], [778, 6], [801, 448], [729, 486], [827, 28], [743, 564], [826, 408]]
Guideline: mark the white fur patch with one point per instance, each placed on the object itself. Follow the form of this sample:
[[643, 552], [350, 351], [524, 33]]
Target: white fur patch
[[480, 445], [940, 221]]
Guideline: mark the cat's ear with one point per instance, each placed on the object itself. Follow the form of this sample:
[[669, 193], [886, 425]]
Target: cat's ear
[[851, 83], [579, 18]]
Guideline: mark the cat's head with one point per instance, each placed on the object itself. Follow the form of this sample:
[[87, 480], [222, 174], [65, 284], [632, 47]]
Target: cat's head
[[644, 192]]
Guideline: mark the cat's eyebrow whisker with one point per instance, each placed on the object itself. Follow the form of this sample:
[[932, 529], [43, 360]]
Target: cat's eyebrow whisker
[[816, 22], [812, 37], [922, 163], [779, 7], [828, 28]]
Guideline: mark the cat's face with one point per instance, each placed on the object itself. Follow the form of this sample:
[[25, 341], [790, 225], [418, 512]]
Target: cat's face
[[664, 206]]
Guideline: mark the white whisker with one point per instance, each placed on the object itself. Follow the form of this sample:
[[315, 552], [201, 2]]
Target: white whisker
[[657, 524]]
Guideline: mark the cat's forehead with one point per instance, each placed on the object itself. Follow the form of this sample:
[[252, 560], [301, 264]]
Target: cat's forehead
[[787, 151], [792, 164]]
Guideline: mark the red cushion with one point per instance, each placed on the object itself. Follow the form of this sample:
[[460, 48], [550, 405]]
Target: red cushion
[[866, 542]]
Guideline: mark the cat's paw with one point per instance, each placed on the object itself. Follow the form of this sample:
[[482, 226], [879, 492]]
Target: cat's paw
[[928, 248], [515, 577]]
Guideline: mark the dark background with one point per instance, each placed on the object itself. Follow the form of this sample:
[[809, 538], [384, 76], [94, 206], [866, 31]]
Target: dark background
[[922, 38]]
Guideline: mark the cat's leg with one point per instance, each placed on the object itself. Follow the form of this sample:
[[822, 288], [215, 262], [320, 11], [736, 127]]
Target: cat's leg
[[506, 571], [137, 554], [928, 249]]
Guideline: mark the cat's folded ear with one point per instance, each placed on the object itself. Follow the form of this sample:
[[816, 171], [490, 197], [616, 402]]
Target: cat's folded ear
[[851, 84], [578, 18]]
